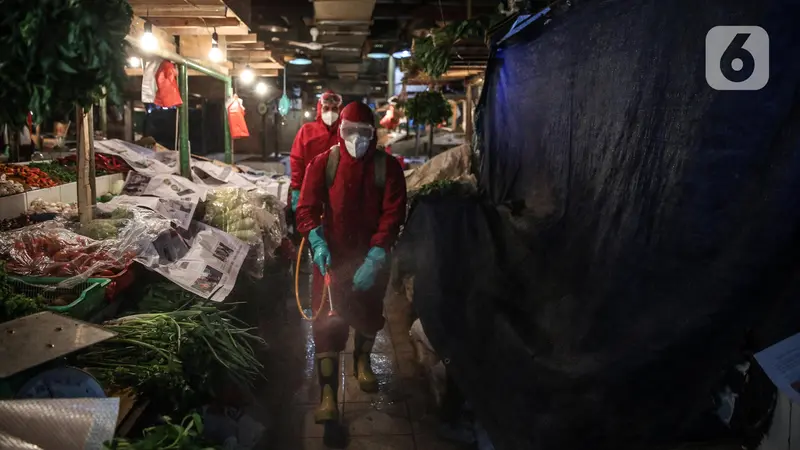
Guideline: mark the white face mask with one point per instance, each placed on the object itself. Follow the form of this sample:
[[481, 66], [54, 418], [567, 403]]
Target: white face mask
[[357, 146], [328, 117]]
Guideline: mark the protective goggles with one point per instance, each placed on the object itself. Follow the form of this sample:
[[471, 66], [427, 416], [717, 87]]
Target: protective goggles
[[349, 130], [329, 98]]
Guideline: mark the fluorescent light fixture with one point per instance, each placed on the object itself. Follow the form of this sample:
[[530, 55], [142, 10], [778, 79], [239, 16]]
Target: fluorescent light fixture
[[148, 41], [300, 62], [135, 62], [378, 55], [401, 54], [262, 88], [247, 76], [215, 54]]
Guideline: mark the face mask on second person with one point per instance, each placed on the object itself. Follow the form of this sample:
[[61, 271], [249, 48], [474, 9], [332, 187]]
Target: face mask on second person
[[357, 137], [328, 117], [330, 107]]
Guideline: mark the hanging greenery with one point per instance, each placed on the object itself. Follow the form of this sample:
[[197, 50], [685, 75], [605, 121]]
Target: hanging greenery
[[59, 53], [428, 108], [431, 54]]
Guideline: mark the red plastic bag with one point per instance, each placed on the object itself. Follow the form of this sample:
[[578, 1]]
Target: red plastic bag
[[168, 94], [236, 121]]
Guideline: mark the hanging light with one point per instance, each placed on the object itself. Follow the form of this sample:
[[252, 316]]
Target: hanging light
[[215, 54], [378, 55], [307, 114], [247, 76], [300, 61], [401, 54], [148, 41], [262, 88], [135, 62]]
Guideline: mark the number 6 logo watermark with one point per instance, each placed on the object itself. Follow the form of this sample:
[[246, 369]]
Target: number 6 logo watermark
[[737, 58]]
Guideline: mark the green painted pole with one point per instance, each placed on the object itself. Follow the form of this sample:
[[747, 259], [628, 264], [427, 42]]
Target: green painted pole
[[228, 145], [183, 129]]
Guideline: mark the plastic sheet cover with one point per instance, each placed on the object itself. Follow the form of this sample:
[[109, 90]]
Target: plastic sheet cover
[[64, 424], [102, 248], [637, 224]]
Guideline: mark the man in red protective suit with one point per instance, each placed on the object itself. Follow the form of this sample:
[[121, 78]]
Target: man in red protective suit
[[312, 139], [352, 205]]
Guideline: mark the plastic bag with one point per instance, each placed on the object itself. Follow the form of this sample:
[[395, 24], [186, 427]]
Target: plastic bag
[[233, 211], [168, 94], [236, 120], [149, 86], [51, 249]]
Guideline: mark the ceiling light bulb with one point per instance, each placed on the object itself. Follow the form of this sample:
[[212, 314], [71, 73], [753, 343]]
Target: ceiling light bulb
[[148, 41], [215, 54], [261, 88], [401, 54], [247, 76], [307, 114], [135, 62]]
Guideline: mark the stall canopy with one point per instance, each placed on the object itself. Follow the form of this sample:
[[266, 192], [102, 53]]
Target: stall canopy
[[638, 229]]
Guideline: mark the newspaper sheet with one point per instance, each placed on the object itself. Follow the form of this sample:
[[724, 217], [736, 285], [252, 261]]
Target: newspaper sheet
[[165, 186], [781, 363], [179, 211], [210, 266]]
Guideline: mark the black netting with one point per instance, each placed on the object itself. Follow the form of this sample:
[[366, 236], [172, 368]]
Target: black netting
[[637, 224]]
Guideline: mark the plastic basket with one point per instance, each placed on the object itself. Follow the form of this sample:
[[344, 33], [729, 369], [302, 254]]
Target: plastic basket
[[90, 295]]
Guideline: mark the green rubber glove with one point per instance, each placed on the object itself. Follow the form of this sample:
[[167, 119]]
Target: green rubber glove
[[365, 276], [295, 199], [322, 256]]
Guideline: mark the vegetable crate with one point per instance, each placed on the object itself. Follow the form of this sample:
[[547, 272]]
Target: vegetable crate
[[80, 301]]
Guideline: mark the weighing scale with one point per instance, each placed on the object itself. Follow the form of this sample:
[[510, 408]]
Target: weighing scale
[[31, 352]]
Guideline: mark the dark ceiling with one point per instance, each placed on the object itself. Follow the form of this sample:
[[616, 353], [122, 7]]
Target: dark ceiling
[[344, 65]]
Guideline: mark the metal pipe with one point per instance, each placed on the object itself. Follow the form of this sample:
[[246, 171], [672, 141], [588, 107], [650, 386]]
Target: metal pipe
[[228, 144], [342, 23], [183, 129], [390, 77], [178, 59]]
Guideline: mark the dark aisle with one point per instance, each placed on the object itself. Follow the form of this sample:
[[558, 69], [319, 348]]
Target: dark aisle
[[398, 417]]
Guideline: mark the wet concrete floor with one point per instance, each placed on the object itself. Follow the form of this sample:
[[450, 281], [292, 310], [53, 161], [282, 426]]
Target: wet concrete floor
[[399, 417]]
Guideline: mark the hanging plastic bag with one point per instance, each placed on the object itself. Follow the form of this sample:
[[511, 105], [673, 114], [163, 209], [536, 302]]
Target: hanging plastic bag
[[236, 120], [149, 86], [168, 94]]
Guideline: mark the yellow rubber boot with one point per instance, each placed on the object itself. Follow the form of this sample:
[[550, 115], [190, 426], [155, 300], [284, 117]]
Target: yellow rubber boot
[[327, 371], [367, 380]]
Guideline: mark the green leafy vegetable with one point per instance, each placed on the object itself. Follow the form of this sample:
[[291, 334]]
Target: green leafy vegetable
[[59, 53], [168, 436]]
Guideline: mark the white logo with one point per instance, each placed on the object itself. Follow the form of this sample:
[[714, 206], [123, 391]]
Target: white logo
[[737, 58]]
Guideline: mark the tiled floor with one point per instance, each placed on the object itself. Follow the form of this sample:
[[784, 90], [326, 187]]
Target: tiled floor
[[398, 417]]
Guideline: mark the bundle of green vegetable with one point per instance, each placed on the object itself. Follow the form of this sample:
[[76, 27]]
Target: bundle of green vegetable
[[168, 436], [165, 296], [13, 305], [234, 212], [183, 355]]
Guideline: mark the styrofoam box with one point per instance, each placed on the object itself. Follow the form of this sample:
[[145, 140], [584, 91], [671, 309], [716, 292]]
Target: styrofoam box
[[14, 205]]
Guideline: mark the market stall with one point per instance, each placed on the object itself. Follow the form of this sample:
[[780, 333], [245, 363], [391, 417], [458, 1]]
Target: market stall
[[122, 271]]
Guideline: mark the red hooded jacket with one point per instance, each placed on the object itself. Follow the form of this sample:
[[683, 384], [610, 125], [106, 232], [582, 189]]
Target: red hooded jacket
[[312, 139], [358, 215]]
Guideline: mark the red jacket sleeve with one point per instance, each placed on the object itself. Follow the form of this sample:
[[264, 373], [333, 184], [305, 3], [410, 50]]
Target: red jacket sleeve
[[394, 206], [297, 160], [313, 195]]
